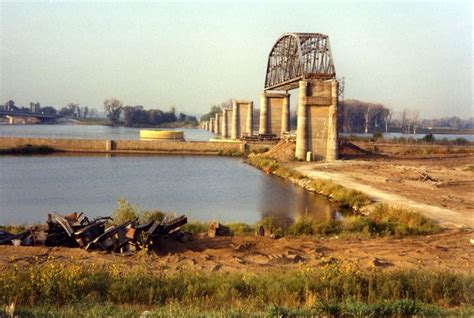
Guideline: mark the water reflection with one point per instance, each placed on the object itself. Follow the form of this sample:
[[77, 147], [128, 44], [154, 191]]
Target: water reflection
[[292, 202]]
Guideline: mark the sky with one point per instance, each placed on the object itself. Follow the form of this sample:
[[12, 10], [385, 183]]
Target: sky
[[193, 54]]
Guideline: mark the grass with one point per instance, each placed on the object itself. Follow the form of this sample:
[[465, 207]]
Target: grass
[[469, 168], [331, 289], [14, 228], [27, 149], [346, 197], [401, 308], [383, 220], [230, 153]]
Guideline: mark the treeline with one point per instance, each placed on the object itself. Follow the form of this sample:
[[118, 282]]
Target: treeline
[[70, 110], [138, 116], [449, 122], [216, 109], [361, 117]]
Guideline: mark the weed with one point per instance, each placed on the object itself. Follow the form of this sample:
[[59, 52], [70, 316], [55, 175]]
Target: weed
[[332, 289]]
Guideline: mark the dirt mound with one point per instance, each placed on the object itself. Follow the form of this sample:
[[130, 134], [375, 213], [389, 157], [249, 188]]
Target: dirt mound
[[283, 151]]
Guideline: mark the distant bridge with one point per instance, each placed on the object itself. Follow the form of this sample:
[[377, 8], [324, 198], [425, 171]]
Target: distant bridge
[[14, 116]]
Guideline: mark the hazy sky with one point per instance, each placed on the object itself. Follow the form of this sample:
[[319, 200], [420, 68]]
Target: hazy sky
[[195, 54]]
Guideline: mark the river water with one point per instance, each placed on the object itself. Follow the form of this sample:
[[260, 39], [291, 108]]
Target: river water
[[115, 133], [201, 187], [89, 132]]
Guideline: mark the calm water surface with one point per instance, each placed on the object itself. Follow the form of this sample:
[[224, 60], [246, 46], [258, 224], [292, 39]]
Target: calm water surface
[[114, 133], [203, 188], [89, 132]]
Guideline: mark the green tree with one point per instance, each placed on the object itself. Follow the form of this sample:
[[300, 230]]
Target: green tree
[[214, 109], [113, 107]]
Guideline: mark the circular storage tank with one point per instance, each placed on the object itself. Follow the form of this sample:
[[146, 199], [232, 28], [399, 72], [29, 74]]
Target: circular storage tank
[[166, 135]]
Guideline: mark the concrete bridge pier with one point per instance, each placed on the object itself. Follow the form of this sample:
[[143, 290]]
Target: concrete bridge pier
[[212, 124], [317, 120], [242, 119], [274, 113], [13, 120], [226, 118], [217, 123]]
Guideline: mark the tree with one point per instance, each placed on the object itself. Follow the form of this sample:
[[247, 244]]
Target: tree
[[85, 112], [65, 111], [214, 109], [10, 105], [404, 121], [113, 107], [366, 118], [413, 117], [93, 112], [73, 109], [49, 110], [387, 116]]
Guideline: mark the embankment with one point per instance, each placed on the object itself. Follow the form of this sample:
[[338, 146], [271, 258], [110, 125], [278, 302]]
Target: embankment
[[131, 146]]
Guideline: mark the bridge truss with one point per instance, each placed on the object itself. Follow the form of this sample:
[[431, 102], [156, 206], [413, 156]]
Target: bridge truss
[[299, 56]]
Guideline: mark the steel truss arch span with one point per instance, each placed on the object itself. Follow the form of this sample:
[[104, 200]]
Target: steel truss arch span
[[299, 56]]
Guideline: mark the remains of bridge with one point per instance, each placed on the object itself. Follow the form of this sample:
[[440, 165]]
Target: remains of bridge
[[20, 117], [296, 60]]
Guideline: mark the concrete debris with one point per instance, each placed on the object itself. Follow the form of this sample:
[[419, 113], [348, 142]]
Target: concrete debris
[[76, 230]]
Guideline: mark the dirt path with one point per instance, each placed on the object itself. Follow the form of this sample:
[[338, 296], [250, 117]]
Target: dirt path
[[450, 250], [448, 197]]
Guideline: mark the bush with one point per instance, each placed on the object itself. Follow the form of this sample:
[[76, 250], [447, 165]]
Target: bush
[[302, 226], [195, 227], [429, 138], [27, 149], [240, 228], [156, 215], [329, 227], [461, 141], [125, 212], [377, 136], [400, 221], [273, 225]]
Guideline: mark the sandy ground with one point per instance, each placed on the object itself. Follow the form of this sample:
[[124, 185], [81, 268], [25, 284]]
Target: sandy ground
[[450, 250], [448, 197]]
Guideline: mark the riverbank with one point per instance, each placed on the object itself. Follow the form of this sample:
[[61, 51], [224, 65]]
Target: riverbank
[[439, 185], [233, 274]]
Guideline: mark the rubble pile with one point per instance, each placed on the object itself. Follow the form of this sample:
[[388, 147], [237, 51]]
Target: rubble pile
[[76, 230]]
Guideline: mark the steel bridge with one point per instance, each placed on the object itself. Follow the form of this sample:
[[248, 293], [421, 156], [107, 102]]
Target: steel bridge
[[299, 56]]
